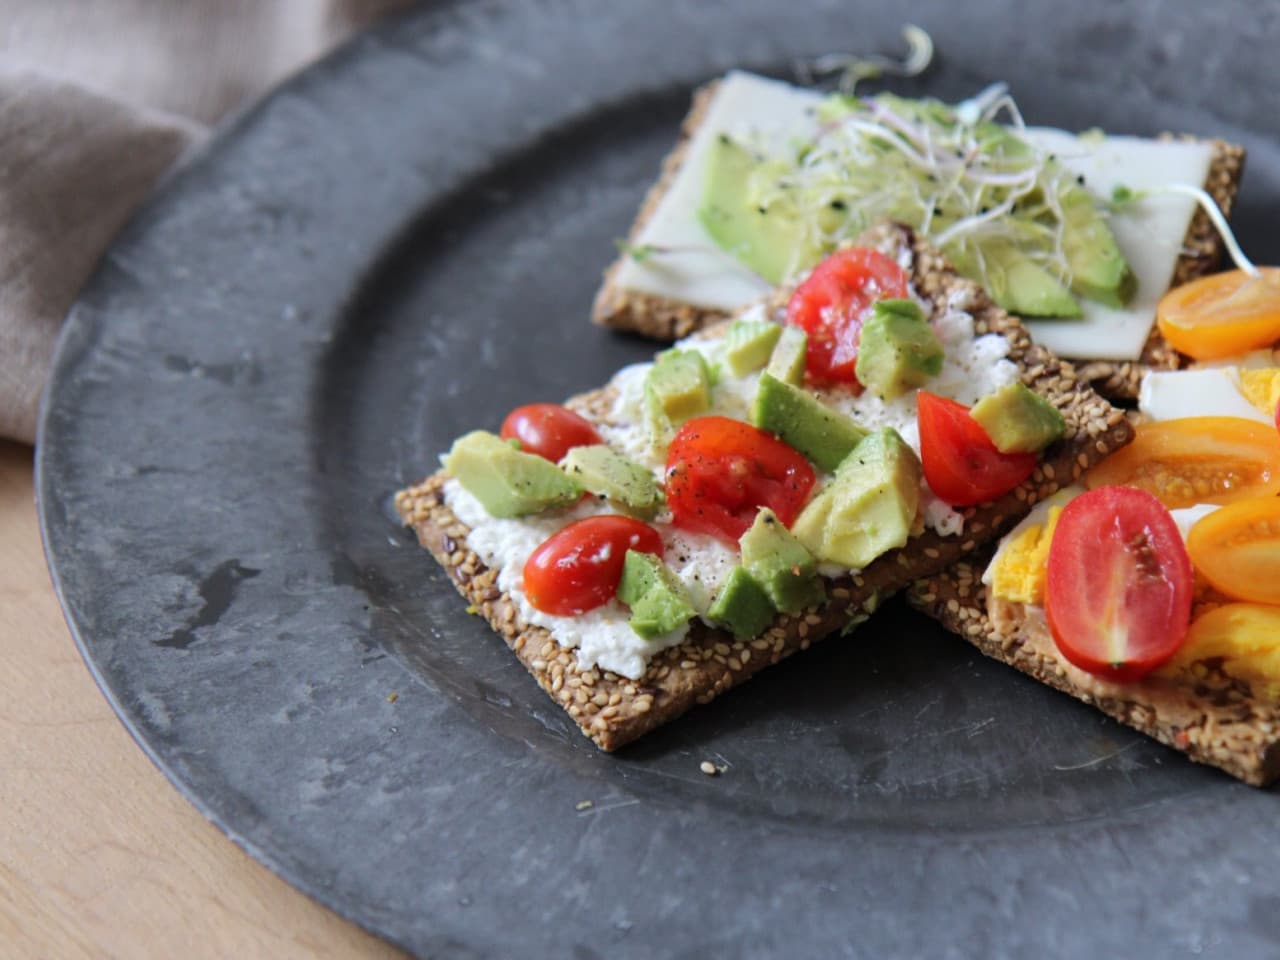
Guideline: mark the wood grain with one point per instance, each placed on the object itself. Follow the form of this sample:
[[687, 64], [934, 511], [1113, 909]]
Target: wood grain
[[99, 855]]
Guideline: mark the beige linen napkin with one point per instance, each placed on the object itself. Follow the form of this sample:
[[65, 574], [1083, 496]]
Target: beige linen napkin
[[97, 100]]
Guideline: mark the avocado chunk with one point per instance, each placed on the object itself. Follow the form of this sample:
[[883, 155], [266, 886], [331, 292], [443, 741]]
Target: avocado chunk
[[897, 350], [802, 421], [742, 605], [1018, 420], [507, 482], [657, 600], [1015, 281], [607, 473], [868, 508], [680, 383], [656, 423], [747, 212], [749, 344], [787, 361], [780, 564], [1098, 269]]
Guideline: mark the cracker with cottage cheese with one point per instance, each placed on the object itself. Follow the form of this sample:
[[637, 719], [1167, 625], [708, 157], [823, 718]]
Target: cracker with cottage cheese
[[618, 687]]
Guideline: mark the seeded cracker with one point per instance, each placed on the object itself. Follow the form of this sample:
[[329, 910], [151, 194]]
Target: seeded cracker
[[613, 710], [666, 319], [1205, 712]]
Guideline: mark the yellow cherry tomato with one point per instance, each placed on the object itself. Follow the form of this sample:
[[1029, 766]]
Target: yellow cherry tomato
[[1223, 314], [1245, 636], [1196, 460], [1237, 549]]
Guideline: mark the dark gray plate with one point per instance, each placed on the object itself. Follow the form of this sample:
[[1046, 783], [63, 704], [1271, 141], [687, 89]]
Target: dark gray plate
[[402, 244]]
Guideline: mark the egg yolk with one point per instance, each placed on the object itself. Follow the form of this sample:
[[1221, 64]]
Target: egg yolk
[[1261, 387], [1019, 571]]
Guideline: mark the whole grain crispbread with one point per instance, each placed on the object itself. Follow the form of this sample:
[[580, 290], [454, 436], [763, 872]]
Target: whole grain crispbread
[[661, 318], [664, 318], [1202, 710], [613, 710]]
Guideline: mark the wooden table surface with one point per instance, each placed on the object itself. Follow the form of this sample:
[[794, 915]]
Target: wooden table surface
[[99, 855]]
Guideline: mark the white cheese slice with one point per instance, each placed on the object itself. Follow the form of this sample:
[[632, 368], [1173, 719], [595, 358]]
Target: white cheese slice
[[1215, 392], [698, 272], [1150, 233]]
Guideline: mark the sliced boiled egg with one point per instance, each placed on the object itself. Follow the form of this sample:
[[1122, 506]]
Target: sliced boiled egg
[[1017, 571], [1209, 392]]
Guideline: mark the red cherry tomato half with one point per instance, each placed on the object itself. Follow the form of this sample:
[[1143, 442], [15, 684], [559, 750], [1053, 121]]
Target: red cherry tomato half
[[548, 429], [577, 568], [831, 303], [1119, 584], [961, 464], [720, 472]]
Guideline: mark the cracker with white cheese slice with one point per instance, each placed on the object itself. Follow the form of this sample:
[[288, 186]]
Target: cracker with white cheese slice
[[667, 317], [1205, 709], [613, 709]]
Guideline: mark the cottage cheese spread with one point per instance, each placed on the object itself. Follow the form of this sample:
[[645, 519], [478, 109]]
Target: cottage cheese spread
[[973, 366]]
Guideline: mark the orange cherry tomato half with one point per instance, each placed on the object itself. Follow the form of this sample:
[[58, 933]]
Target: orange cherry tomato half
[[1196, 460], [720, 472], [1237, 549], [548, 429], [1223, 314], [577, 568], [1118, 584], [961, 464], [831, 303]]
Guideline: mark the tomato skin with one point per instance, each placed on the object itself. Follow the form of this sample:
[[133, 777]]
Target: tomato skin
[[1237, 549], [548, 429], [578, 567], [961, 464], [1244, 635], [1196, 460], [720, 472], [833, 300], [1118, 587], [1223, 314]]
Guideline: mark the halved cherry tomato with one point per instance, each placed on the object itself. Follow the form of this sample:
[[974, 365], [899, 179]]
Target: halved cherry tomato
[[1118, 584], [1223, 314], [577, 568], [1196, 460], [548, 429], [961, 464], [1237, 549], [831, 303], [720, 472]]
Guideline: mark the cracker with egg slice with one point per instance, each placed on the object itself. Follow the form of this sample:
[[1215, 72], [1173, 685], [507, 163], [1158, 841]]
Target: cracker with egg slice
[[665, 318], [612, 709], [1205, 707]]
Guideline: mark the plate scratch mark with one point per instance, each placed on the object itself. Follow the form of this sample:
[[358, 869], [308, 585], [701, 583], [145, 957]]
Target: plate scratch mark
[[923, 710], [603, 808], [1097, 760], [977, 727]]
